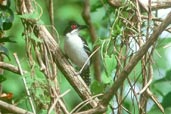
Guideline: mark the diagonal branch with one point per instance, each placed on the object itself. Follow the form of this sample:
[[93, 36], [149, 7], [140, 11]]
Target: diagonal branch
[[25, 84], [13, 108], [128, 68]]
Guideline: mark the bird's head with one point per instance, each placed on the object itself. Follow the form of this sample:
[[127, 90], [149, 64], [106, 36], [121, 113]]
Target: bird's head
[[74, 28]]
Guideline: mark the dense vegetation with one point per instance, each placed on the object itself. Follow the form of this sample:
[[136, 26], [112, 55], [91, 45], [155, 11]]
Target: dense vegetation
[[131, 65]]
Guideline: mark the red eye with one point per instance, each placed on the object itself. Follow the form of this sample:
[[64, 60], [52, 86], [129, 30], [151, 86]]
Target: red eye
[[73, 26]]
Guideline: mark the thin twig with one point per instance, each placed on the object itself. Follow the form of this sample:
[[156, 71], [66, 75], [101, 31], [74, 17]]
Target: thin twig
[[85, 103], [96, 110], [51, 12], [56, 100], [150, 94], [25, 83], [88, 59], [51, 15], [155, 100], [146, 86]]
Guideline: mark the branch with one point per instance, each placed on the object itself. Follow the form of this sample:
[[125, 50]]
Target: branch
[[156, 5], [96, 110], [51, 15], [164, 4], [128, 68], [10, 67], [13, 108]]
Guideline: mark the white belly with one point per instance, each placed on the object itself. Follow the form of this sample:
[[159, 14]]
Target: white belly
[[73, 47]]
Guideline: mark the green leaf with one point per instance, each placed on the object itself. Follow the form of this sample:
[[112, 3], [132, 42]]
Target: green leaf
[[96, 6], [106, 79], [155, 110], [168, 110], [4, 51], [163, 42], [97, 87], [110, 64], [161, 88], [167, 100], [164, 79]]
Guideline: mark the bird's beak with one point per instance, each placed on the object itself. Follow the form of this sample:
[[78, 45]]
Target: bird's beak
[[83, 27]]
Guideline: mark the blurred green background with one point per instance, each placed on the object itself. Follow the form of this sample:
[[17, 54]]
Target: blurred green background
[[102, 16]]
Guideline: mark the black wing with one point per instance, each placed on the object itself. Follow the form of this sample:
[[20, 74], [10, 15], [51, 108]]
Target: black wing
[[87, 49]]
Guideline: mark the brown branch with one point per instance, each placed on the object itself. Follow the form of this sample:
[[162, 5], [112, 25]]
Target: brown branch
[[51, 12], [51, 15], [25, 8], [96, 110], [164, 4], [10, 67], [128, 68], [13, 108], [96, 57], [152, 18], [115, 3]]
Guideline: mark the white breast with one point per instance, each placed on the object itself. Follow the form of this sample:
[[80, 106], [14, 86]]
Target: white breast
[[74, 48]]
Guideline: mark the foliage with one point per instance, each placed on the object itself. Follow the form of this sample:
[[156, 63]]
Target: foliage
[[118, 38]]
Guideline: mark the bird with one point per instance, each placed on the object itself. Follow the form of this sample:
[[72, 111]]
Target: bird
[[76, 49]]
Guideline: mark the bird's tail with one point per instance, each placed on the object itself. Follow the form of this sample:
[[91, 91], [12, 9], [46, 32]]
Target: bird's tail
[[85, 74]]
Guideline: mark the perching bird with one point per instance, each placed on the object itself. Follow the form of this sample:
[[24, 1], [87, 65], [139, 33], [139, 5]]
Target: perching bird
[[76, 49]]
